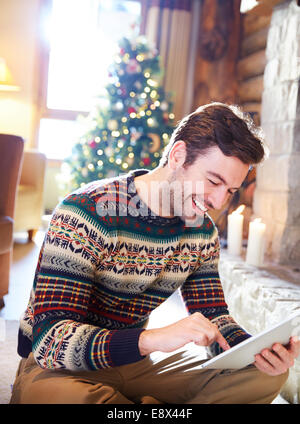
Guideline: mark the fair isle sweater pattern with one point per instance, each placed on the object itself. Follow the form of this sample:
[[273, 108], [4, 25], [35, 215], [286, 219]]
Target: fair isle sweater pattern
[[99, 277]]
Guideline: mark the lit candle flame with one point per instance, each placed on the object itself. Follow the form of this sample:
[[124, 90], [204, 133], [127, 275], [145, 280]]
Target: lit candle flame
[[239, 210], [257, 220]]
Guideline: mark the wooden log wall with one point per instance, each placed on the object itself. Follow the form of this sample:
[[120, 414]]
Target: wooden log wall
[[252, 60], [218, 52], [231, 53]]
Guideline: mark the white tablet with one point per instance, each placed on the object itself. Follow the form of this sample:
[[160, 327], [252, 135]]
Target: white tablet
[[243, 353]]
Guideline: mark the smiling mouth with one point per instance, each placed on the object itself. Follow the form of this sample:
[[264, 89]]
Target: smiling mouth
[[199, 205]]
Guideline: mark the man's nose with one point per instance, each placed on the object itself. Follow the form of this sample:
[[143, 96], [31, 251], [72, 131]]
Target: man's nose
[[219, 197]]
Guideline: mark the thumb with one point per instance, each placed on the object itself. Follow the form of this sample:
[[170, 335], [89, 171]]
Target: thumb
[[294, 339], [294, 345]]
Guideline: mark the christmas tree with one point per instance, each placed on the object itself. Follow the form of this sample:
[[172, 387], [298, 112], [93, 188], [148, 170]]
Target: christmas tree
[[132, 128]]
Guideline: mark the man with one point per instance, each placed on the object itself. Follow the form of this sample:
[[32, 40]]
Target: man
[[114, 251]]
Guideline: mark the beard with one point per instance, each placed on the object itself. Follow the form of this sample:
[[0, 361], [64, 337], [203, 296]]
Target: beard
[[181, 202]]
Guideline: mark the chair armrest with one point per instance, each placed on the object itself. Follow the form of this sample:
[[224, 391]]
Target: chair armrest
[[33, 169]]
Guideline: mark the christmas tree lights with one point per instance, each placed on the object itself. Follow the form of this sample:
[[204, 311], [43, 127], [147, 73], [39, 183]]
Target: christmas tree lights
[[132, 126]]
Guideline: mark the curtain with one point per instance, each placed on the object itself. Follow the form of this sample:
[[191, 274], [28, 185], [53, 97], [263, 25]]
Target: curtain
[[168, 25]]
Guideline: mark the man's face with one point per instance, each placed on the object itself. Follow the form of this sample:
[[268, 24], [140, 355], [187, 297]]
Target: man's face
[[206, 184]]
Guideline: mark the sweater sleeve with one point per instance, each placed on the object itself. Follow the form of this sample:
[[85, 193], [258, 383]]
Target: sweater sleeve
[[62, 334], [202, 292]]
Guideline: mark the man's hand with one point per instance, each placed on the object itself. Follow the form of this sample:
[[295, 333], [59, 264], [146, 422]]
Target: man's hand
[[195, 328], [278, 360]]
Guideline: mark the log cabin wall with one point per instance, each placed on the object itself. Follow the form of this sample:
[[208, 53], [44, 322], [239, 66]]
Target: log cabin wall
[[217, 52], [230, 60], [251, 64]]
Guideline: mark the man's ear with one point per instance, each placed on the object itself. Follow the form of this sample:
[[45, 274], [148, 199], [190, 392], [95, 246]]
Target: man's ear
[[177, 155]]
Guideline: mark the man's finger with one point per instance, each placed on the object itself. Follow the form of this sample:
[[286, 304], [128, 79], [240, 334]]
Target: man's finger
[[273, 359], [263, 365], [294, 346], [222, 342]]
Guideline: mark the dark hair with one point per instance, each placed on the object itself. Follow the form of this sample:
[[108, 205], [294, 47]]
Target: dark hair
[[221, 125]]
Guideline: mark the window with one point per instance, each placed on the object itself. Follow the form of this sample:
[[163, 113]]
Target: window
[[82, 39]]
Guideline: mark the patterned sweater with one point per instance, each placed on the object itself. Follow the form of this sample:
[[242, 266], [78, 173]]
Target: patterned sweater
[[107, 261]]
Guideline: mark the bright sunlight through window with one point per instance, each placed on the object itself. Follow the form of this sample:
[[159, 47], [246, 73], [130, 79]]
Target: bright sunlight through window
[[83, 36]]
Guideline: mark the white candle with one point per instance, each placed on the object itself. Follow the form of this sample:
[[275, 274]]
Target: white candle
[[256, 243], [235, 231]]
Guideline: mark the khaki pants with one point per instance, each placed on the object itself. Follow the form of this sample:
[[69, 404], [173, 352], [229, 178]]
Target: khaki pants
[[170, 379]]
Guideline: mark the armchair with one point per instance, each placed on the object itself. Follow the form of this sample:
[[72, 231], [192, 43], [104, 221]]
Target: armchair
[[11, 153], [29, 203]]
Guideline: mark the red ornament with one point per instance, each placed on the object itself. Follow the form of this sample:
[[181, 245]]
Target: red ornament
[[92, 144], [131, 110], [147, 161]]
